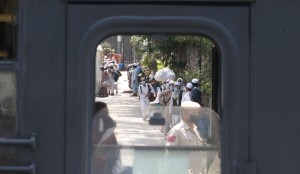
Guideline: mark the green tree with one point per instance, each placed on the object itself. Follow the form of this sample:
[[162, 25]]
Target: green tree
[[188, 56], [107, 48]]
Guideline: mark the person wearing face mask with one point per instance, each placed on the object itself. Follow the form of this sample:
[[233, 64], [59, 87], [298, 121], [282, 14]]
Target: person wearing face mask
[[177, 94], [176, 101], [144, 91], [186, 133], [170, 85], [181, 85]]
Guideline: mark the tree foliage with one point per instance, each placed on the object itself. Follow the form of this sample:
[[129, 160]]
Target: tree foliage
[[107, 48], [188, 56]]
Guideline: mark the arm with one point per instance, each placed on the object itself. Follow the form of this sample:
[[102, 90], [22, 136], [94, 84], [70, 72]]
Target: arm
[[139, 91], [151, 88], [162, 95], [173, 137]]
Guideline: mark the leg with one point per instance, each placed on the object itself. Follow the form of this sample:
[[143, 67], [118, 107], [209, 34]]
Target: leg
[[147, 108], [143, 108], [112, 89], [116, 87]]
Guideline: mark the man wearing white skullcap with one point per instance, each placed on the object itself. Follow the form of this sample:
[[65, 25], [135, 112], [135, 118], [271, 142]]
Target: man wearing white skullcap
[[187, 94], [195, 82]]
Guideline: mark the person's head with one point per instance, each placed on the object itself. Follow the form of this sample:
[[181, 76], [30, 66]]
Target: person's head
[[177, 86], [195, 82], [143, 81], [189, 86], [98, 106], [134, 65], [189, 111], [171, 84], [196, 95], [101, 111], [180, 81]]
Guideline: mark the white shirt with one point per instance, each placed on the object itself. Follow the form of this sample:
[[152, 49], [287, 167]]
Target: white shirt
[[144, 90], [186, 97], [182, 135]]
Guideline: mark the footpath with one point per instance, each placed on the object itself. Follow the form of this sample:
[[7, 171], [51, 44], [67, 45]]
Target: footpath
[[131, 130]]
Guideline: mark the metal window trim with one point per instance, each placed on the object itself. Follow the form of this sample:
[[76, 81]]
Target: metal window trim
[[157, 25]]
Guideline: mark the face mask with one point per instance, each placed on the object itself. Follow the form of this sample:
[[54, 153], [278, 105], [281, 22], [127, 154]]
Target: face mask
[[176, 89], [143, 82]]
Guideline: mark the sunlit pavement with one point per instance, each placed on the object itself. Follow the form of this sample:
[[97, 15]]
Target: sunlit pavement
[[131, 129]]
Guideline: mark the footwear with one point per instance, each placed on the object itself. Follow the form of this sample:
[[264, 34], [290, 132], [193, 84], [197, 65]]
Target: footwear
[[132, 95], [145, 118]]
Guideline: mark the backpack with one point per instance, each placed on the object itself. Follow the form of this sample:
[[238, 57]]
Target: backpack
[[152, 95], [116, 75]]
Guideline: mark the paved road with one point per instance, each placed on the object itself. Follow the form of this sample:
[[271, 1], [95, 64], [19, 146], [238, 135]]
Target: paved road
[[131, 130]]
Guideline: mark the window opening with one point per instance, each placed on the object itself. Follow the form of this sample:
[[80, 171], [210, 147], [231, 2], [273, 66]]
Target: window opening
[[169, 132]]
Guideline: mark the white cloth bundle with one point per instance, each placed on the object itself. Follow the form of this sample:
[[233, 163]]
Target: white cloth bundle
[[164, 74]]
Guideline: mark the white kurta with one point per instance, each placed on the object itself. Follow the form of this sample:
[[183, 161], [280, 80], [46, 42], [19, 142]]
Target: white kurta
[[112, 81], [145, 103], [186, 97]]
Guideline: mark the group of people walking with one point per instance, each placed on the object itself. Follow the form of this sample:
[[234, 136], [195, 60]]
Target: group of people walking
[[180, 103], [169, 94], [109, 80]]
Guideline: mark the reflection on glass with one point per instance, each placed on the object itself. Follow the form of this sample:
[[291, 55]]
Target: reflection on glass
[[7, 115], [173, 131], [8, 29], [123, 141]]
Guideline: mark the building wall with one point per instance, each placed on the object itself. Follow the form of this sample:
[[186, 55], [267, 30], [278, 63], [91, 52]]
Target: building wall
[[128, 53]]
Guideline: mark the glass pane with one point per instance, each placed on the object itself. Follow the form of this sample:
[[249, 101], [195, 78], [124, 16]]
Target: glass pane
[[8, 29], [7, 115], [165, 135]]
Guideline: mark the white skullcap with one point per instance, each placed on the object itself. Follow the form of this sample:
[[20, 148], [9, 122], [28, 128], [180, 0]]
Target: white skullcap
[[189, 85], [195, 81], [177, 84], [171, 82]]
